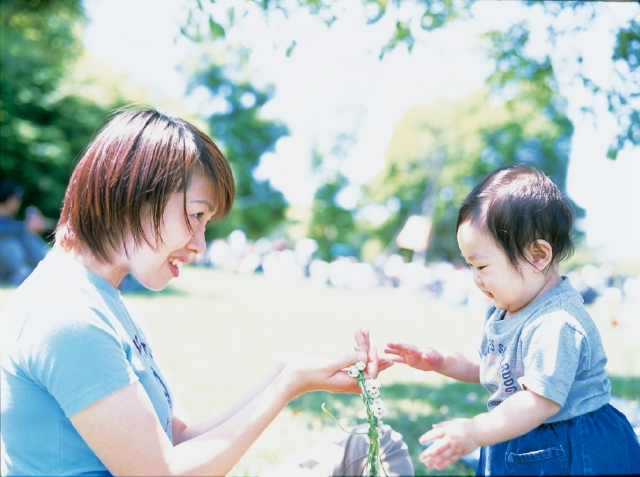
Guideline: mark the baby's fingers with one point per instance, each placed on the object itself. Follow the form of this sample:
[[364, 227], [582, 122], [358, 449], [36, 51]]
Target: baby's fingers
[[400, 347], [384, 364], [438, 457]]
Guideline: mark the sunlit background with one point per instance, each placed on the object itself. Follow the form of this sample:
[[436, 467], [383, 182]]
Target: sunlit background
[[334, 83], [354, 130], [344, 120]]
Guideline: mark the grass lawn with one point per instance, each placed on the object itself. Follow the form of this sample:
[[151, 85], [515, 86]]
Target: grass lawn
[[216, 333]]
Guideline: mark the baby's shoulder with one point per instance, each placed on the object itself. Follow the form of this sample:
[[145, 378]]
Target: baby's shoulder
[[558, 320]]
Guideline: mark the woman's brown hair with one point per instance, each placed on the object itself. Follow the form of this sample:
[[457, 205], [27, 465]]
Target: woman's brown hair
[[131, 168]]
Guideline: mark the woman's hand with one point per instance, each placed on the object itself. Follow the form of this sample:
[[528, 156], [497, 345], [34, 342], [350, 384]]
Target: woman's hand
[[427, 360], [451, 440], [314, 373]]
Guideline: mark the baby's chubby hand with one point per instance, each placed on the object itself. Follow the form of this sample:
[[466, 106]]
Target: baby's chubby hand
[[427, 360], [451, 440]]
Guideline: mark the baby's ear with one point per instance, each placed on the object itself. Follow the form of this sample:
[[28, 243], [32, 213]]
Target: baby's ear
[[541, 254]]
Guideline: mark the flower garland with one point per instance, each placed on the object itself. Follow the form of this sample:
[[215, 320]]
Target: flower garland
[[375, 408]]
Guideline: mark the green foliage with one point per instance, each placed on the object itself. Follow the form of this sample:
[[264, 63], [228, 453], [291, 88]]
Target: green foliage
[[622, 98], [475, 135], [244, 136], [42, 133], [330, 223], [432, 14], [626, 106], [626, 387]]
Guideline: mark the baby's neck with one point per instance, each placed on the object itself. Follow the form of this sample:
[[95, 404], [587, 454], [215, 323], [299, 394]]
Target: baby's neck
[[553, 279]]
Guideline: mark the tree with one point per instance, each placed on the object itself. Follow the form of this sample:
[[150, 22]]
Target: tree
[[330, 223], [244, 136], [443, 149], [533, 127], [508, 51], [411, 17], [42, 133]]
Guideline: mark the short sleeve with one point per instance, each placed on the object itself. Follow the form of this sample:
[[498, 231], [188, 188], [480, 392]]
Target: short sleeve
[[551, 352], [79, 361]]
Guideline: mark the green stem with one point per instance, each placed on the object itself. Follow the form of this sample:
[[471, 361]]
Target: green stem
[[334, 418], [374, 461]]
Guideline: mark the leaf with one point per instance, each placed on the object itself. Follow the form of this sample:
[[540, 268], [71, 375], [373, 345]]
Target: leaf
[[216, 29], [290, 48]]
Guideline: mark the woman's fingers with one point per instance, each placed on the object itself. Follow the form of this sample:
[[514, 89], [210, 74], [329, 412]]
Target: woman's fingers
[[384, 364], [348, 360], [372, 365], [362, 340]]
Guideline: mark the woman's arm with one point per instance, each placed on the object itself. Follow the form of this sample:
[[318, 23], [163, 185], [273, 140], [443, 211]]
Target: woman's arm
[[183, 430], [517, 415], [125, 433], [461, 365]]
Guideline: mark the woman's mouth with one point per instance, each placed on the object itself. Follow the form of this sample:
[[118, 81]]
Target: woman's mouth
[[174, 265]]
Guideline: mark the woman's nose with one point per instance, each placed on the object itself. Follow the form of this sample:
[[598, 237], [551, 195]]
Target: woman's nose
[[197, 243]]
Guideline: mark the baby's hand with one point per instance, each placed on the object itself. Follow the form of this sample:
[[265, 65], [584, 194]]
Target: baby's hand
[[453, 440], [427, 360]]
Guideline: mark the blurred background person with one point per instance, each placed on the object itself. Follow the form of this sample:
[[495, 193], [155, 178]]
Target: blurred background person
[[21, 246]]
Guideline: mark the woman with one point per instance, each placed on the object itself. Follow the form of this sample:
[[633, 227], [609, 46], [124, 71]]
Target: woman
[[81, 391]]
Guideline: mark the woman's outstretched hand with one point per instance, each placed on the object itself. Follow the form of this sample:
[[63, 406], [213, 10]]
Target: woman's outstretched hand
[[427, 360], [314, 373]]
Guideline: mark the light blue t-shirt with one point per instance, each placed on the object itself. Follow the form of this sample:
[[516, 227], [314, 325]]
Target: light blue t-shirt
[[68, 340], [552, 348]]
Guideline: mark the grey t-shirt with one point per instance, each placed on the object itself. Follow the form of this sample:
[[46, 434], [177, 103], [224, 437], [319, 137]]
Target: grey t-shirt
[[552, 348]]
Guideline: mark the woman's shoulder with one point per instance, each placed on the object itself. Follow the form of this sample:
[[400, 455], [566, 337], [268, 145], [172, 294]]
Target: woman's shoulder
[[44, 308]]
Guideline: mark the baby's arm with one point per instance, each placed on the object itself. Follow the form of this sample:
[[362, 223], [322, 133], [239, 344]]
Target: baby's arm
[[461, 365], [517, 415]]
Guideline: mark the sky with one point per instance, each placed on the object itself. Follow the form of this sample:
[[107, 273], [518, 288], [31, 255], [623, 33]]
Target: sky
[[334, 82]]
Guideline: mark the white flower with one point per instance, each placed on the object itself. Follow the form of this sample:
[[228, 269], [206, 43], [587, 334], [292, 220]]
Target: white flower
[[378, 408], [373, 387], [353, 372], [361, 365]]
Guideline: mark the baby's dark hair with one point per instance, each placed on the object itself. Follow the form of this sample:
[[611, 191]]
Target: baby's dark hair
[[517, 205]]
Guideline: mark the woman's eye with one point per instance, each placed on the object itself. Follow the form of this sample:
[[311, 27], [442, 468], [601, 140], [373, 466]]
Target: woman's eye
[[198, 216]]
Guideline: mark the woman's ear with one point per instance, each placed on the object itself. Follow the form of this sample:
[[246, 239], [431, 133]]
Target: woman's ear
[[540, 254]]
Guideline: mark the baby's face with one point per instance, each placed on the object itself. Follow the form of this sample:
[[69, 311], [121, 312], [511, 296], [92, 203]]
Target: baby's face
[[494, 274]]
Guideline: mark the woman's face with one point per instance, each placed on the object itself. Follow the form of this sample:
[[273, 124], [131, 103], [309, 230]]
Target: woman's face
[[154, 268]]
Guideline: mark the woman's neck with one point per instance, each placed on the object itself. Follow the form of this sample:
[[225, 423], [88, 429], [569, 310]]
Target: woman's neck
[[111, 272]]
